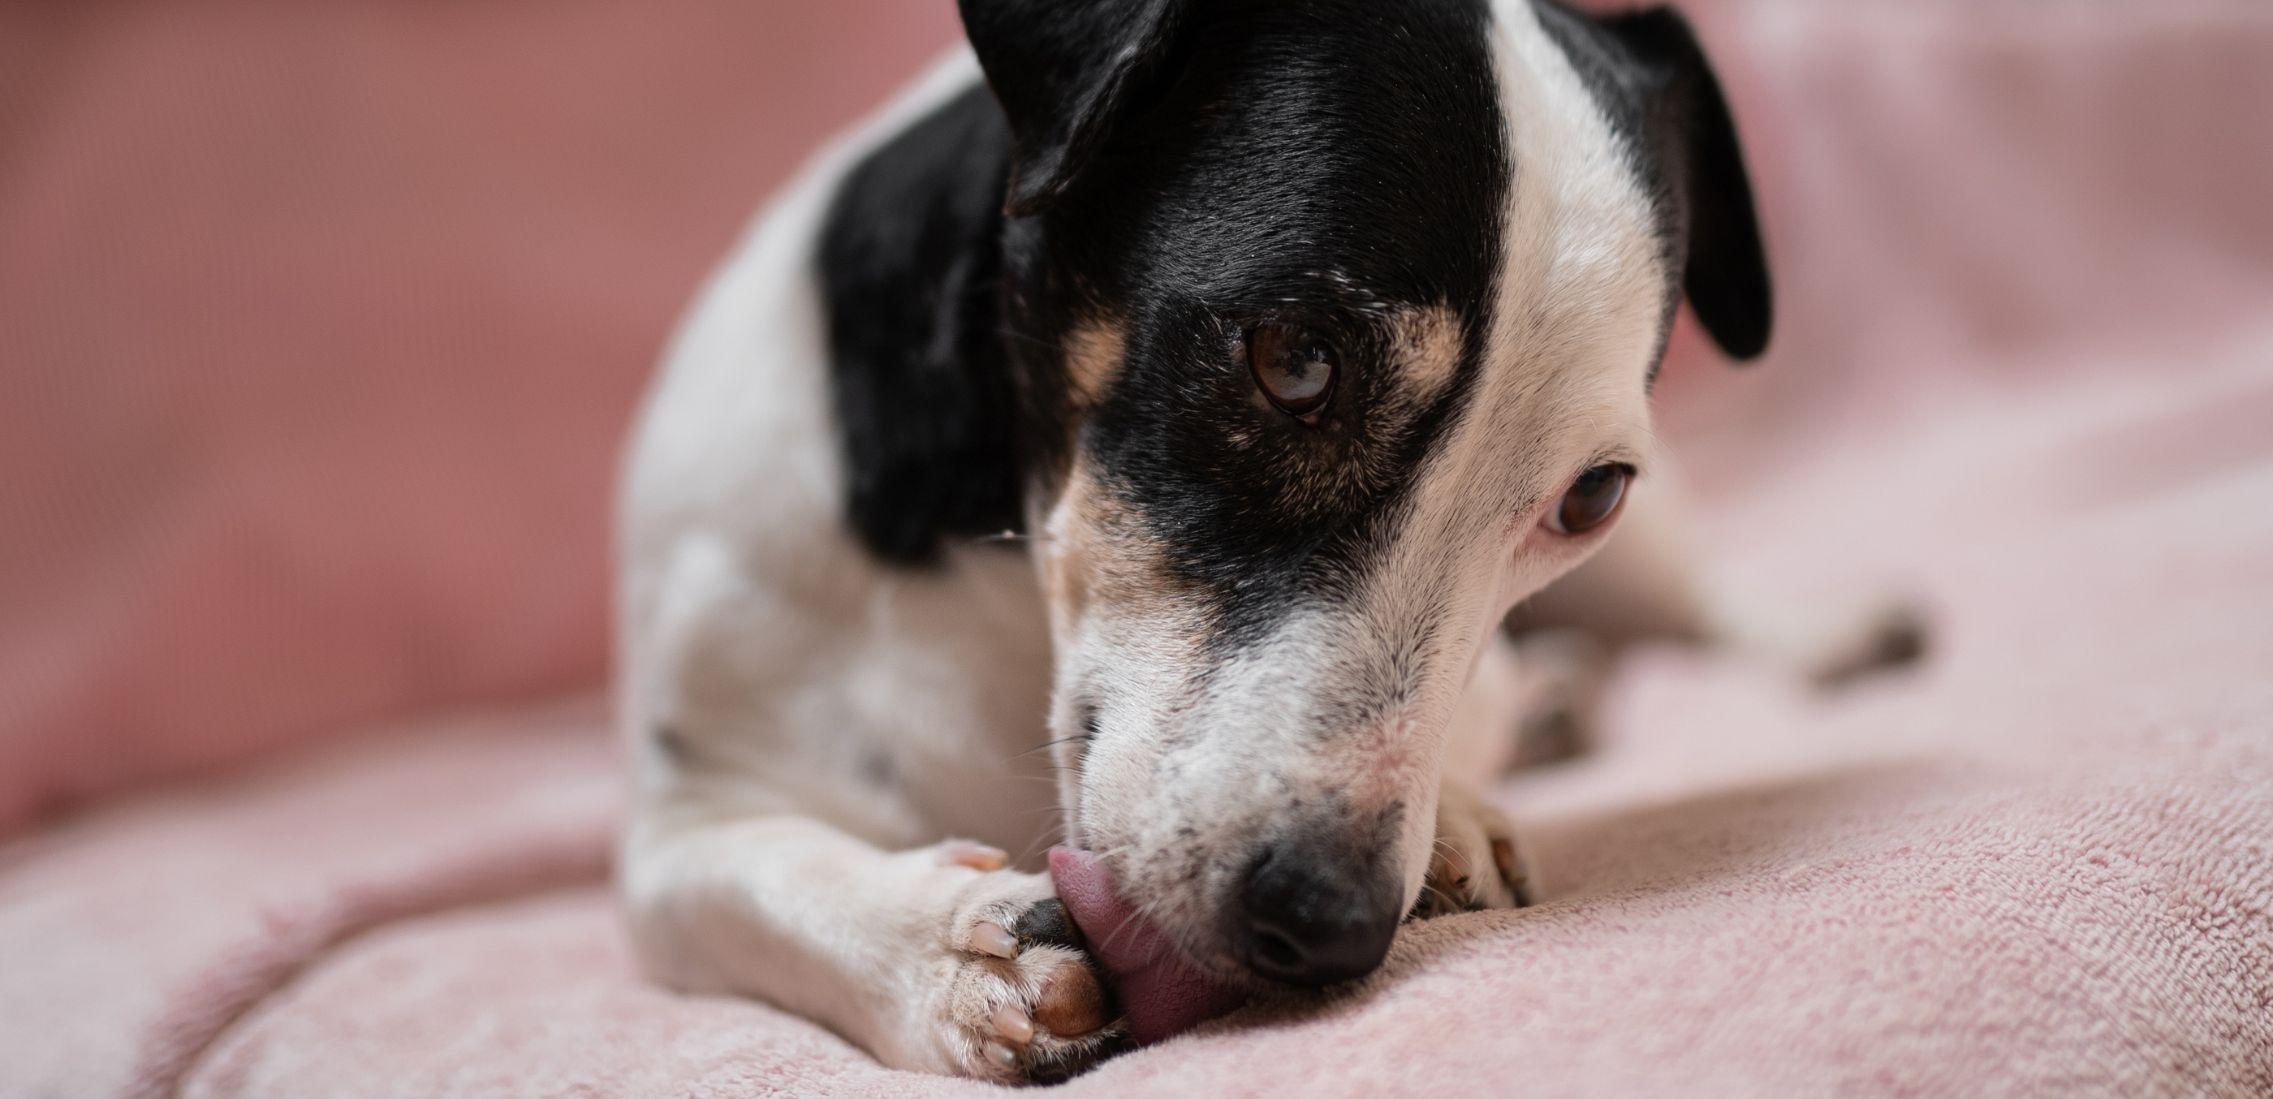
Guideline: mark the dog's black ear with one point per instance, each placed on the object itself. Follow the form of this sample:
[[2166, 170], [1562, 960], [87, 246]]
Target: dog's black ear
[[1686, 124], [1065, 71]]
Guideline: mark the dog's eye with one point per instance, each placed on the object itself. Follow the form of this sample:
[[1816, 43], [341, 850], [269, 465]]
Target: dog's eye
[[1294, 367], [1592, 501]]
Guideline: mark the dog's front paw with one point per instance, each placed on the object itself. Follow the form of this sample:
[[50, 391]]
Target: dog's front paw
[[1475, 865], [1023, 1003]]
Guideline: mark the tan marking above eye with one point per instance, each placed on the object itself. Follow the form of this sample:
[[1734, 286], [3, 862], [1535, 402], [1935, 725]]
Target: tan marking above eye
[[1094, 353], [1095, 554], [1426, 343]]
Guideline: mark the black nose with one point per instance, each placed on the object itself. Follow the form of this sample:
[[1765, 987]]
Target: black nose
[[1310, 915]]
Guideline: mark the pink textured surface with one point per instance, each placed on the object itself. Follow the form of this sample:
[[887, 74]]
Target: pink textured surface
[[2027, 371], [318, 326]]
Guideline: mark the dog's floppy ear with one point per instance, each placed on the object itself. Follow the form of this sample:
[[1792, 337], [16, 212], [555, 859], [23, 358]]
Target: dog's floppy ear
[[1686, 123], [1065, 71]]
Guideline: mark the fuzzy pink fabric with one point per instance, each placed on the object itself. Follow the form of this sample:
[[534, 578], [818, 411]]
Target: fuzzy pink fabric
[[2026, 371], [319, 325]]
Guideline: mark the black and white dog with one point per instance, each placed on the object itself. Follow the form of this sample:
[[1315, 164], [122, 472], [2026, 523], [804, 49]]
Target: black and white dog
[[1298, 341]]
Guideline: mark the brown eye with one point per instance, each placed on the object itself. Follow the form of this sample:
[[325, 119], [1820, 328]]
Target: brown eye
[[1293, 367], [1592, 501]]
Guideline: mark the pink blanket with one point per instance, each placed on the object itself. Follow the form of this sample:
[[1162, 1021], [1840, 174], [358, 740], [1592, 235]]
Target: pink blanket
[[2027, 373]]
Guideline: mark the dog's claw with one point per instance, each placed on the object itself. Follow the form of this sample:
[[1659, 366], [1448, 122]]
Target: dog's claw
[[990, 938], [1012, 1024], [1511, 870], [977, 856], [1002, 1055]]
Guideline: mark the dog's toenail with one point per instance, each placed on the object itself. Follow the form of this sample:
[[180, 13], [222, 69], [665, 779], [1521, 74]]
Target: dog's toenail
[[1503, 858], [990, 938], [977, 856], [1013, 1024], [1001, 1055]]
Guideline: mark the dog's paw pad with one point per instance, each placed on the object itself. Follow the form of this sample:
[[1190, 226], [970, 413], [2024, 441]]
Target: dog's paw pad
[[1073, 1004]]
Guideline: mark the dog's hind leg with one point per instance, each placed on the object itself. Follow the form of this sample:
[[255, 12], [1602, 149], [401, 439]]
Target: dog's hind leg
[[1645, 587]]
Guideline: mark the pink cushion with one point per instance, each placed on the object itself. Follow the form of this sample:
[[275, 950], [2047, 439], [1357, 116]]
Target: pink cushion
[[2024, 372]]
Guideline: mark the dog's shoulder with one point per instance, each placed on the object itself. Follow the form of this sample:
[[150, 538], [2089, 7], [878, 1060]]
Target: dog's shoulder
[[840, 369], [909, 270]]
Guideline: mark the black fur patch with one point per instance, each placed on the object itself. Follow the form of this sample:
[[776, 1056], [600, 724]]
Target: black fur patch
[[1652, 81], [1325, 162], [1065, 72], [910, 270], [1328, 162]]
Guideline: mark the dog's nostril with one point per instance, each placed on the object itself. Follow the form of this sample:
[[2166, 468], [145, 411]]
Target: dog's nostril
[[1276, 950], [1314, 919]]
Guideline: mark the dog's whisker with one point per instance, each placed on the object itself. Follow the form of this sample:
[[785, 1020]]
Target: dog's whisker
[[1045, 840], [1049, 744], [1134, 918], [1138, 914], [1009, 333], [1008, 536]]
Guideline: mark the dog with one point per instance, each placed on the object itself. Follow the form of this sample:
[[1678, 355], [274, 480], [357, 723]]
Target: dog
[[1138, 435]]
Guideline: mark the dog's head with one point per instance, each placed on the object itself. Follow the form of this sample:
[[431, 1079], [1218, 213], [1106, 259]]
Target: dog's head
[[1347, 312]]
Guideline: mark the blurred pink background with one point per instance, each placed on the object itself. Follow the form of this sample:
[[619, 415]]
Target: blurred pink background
[[319, 326]]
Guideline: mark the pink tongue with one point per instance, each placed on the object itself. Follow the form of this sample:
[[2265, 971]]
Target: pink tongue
[[1161, 992]]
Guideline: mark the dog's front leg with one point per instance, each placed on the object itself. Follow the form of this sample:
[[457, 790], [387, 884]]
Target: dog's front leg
[[934, 959], [1475, 864]]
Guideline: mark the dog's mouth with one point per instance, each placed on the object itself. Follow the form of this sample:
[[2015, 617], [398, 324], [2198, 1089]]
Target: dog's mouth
[[1163, 992]]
